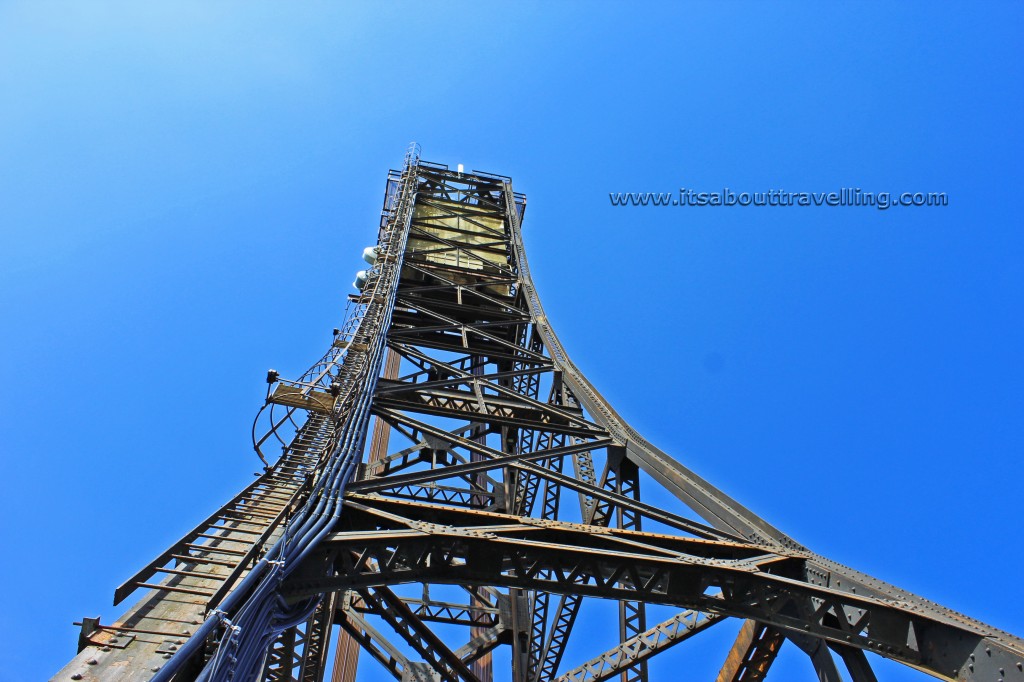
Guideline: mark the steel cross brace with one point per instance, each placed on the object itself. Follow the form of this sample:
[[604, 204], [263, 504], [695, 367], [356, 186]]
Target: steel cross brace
[[641, 646]]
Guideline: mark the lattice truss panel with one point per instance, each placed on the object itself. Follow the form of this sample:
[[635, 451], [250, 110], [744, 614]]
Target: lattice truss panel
[[498, 494]]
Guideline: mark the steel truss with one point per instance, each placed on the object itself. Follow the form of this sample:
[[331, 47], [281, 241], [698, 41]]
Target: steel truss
[[475, 517]]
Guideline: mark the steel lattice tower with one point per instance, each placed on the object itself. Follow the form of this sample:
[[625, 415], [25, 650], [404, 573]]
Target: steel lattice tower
[[450, 481]]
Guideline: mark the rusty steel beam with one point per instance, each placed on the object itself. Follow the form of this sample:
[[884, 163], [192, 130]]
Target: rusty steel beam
[[752, 654]]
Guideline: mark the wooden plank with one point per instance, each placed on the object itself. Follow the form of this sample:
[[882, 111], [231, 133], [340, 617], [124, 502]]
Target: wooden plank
[[321, 402]]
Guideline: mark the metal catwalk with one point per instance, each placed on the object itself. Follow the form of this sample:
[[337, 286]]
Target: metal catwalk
[[444, 481]]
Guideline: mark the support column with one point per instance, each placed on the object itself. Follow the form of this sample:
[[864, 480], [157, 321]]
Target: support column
[[346, 656]]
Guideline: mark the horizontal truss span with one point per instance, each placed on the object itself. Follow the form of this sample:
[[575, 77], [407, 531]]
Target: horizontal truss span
[[754, 582]]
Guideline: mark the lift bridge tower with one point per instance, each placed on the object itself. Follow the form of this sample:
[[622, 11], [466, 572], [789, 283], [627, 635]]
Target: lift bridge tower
[[445, 481]]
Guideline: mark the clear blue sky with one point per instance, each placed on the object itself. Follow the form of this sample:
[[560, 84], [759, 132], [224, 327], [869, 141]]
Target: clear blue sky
[[185, 189]]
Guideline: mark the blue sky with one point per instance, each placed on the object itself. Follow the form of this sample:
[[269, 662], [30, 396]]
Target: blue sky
[[185, 189]]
